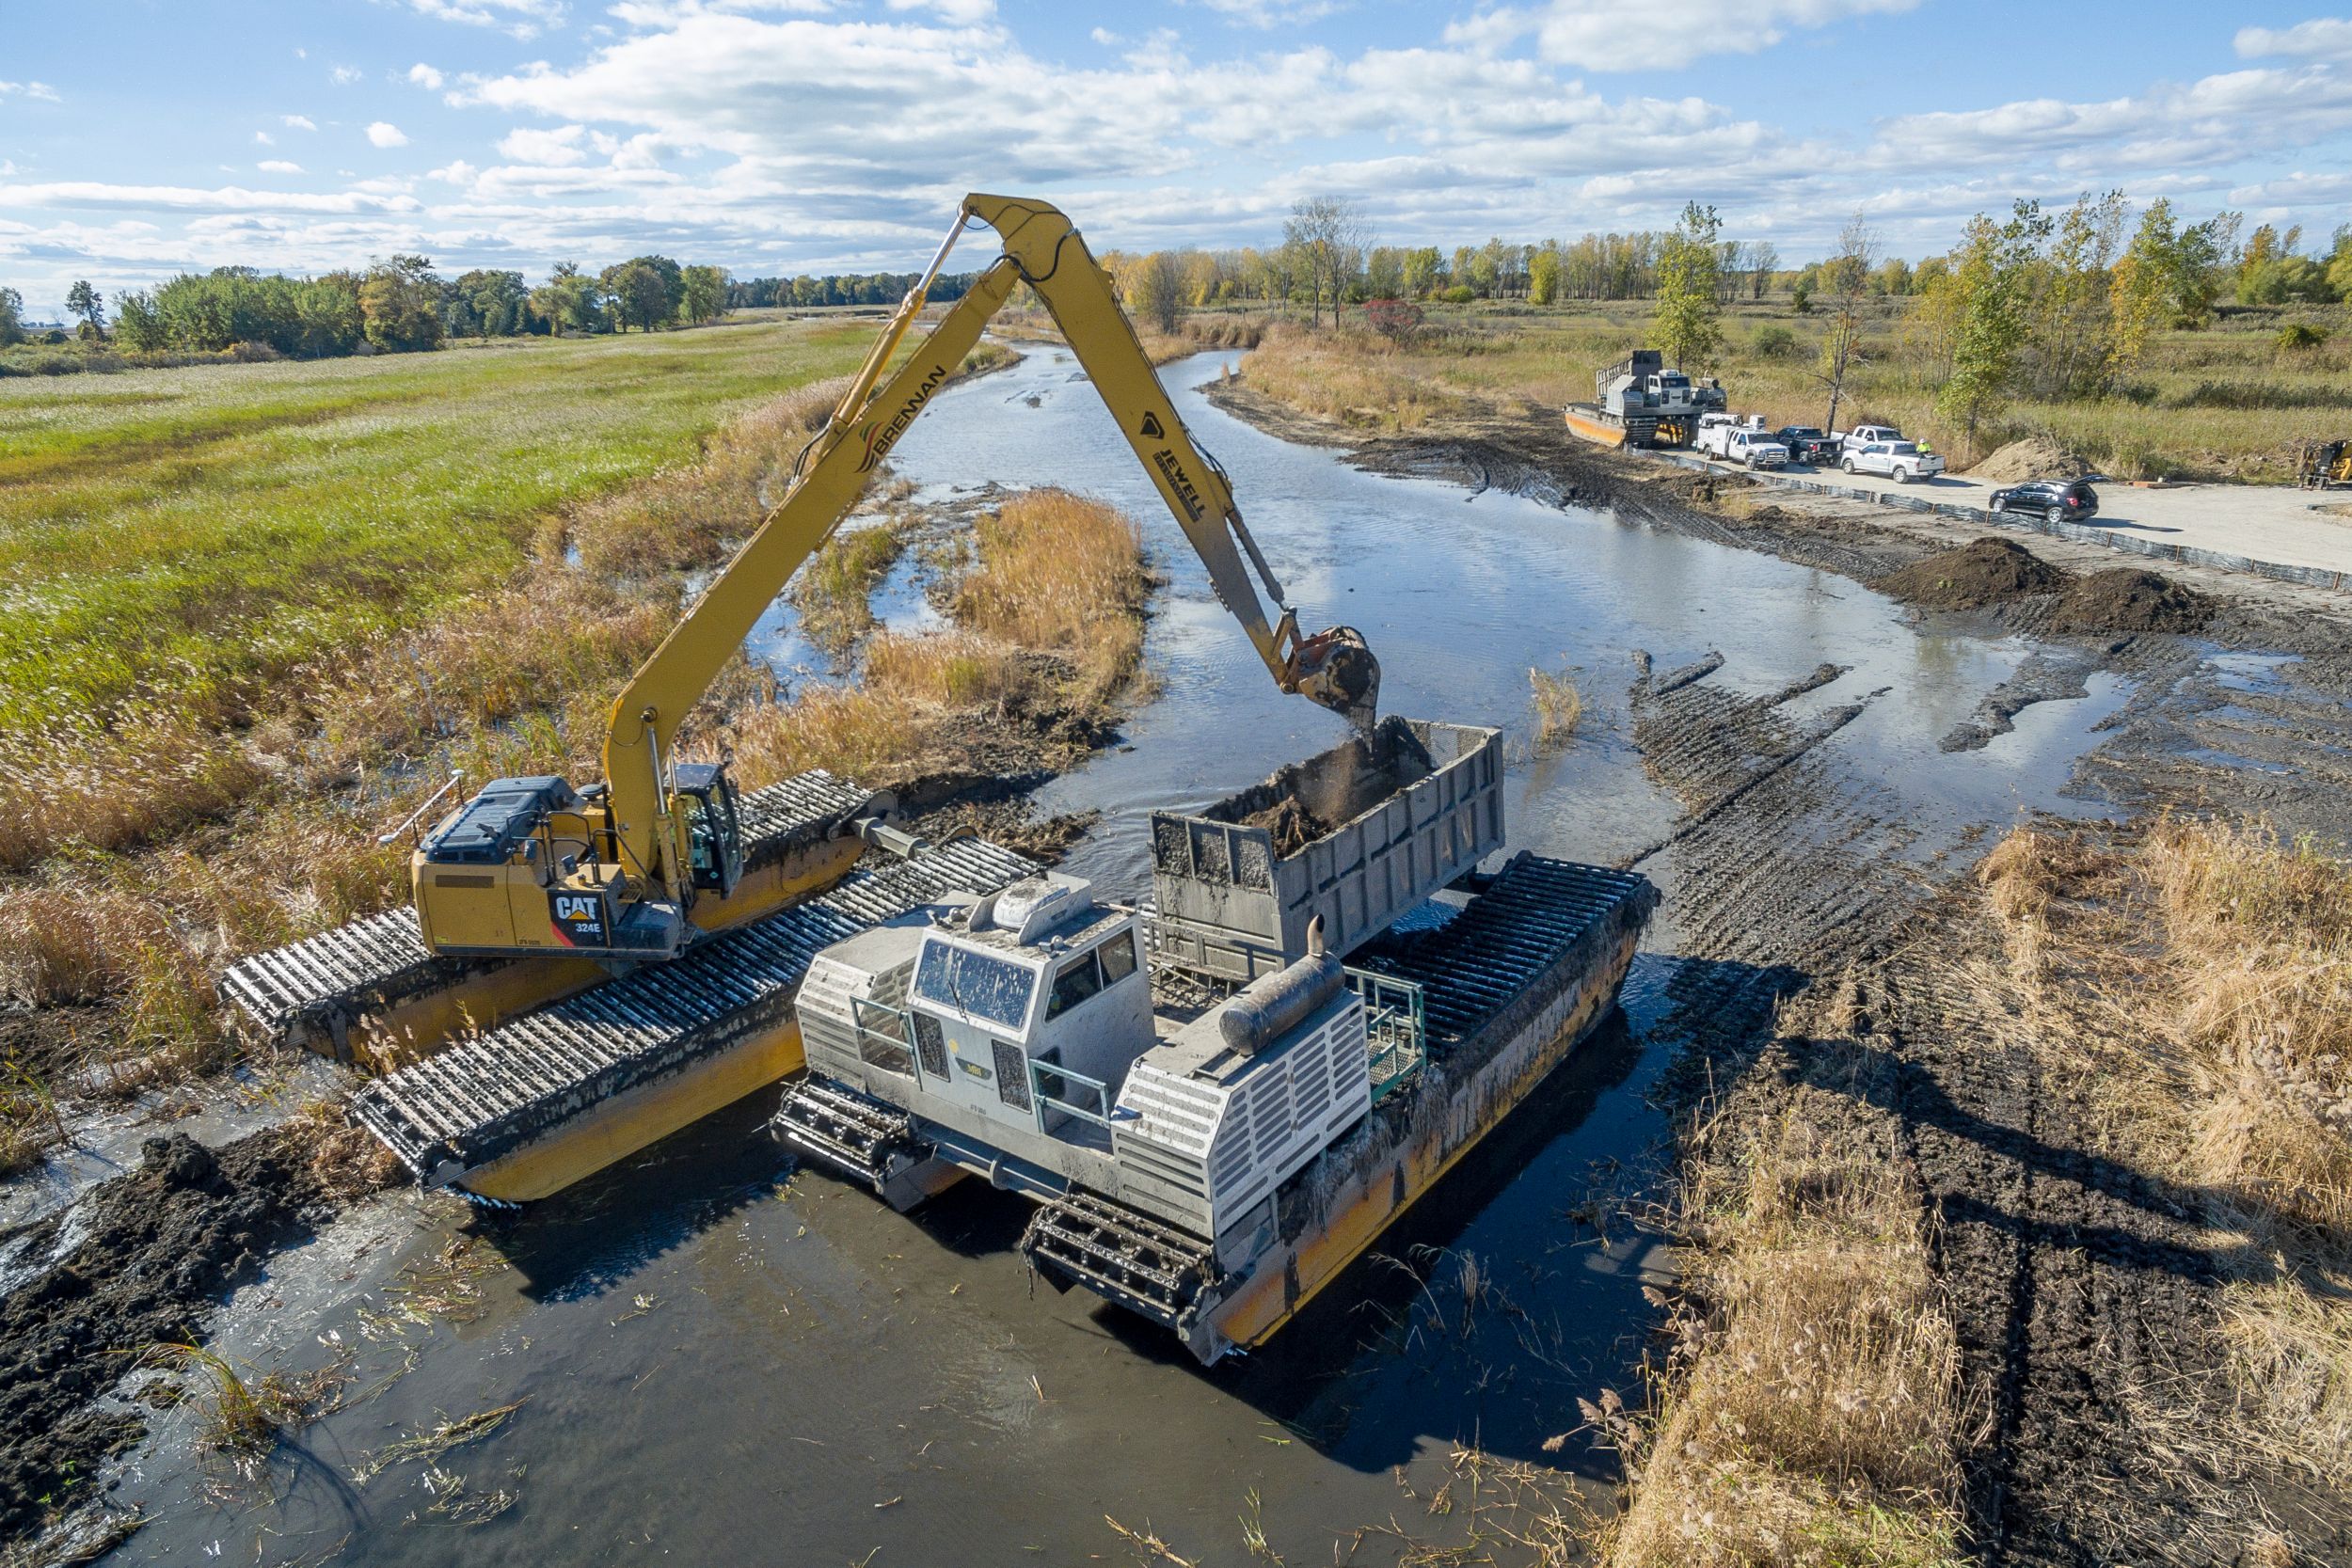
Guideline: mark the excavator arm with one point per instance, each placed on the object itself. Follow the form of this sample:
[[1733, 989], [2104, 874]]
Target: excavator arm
[[1334, 667]]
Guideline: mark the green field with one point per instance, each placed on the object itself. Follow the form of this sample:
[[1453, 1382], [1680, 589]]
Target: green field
[[184, 537]]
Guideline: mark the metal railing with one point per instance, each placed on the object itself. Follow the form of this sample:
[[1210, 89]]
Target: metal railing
[[886, 1037], [1050, 1084], [1394, 1032]]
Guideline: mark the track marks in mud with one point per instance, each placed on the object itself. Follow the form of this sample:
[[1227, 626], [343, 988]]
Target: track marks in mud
[[2080, 1286], [1780, 863]]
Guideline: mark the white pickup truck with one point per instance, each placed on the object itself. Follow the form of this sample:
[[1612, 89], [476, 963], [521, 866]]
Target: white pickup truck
[[1902, 461], [1864, 434], [1722, 437]]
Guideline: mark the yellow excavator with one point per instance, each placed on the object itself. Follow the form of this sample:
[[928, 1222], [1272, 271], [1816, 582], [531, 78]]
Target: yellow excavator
[[612, 871]]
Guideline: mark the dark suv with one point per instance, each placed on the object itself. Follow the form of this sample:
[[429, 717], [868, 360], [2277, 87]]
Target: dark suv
[[1807, 445], [2059, 500]]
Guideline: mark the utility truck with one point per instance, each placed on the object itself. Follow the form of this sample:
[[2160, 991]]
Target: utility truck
[[1741, 441]]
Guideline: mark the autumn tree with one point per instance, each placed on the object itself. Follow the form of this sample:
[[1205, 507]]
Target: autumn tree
[[1687, 321], [1326, 237], [400, 303], [1992, 278], [1155, 288], [86, 301], [1847, 279], [703, 294]]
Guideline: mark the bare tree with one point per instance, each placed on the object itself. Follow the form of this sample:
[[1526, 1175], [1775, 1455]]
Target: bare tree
[[1328, 238], [1762, 260], [1848, 276]]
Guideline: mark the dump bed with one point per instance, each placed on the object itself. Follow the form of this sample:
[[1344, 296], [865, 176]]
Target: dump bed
[[1358, 834]]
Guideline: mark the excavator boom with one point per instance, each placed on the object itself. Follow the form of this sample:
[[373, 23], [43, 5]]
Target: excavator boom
[[625, 868]]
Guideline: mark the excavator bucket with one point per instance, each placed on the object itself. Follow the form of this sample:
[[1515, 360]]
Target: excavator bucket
[[1335, 669]]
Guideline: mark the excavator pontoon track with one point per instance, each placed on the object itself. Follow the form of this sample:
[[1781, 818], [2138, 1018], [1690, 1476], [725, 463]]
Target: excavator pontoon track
[[1145, 1265], [314, 992], [482, 1099], [863, 1138]]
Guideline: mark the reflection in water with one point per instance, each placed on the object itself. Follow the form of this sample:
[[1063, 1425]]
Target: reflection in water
[[730, 1362]]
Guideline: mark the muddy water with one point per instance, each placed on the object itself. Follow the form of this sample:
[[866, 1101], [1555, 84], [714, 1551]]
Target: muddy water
[[724, 1362]]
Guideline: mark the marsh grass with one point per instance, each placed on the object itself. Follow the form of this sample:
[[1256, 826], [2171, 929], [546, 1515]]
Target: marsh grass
[[2202, 974], [1811, 1408], [1559, 705], [834, 590], [1048, 616]]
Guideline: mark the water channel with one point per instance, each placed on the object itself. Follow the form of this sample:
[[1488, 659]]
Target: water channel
[[724, 1362]]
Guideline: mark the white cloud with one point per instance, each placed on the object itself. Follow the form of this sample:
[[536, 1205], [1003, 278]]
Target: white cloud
[[385, 134], [425, 77], [1607, 35], [297, 123], [31, 90], [1105, 37], [1270, 13], [520, 19], [544, 146], [263, 138], [343, 75], [2321, 39], [278, 165], [457, 172], [961, 11], [224, 198]]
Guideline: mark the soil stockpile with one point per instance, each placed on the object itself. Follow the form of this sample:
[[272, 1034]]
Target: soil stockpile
[[2035, 458], [147, 1255], [1987, 571], [1291, 825], [2129, 598]]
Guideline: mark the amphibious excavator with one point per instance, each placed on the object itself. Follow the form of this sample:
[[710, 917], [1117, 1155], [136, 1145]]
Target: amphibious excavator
[[587, 968]]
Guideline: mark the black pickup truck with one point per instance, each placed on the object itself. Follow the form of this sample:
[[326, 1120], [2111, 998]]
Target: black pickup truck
[[1807, 445]]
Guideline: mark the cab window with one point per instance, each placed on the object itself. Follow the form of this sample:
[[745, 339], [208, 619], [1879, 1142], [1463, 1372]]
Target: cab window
[[1076, 980]]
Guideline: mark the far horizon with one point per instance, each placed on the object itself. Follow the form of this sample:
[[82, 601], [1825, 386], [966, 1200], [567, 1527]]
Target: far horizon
[[515, 134]]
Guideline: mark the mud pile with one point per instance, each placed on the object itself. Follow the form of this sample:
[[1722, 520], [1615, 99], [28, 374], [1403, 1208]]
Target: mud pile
[[2035, 458], [1987, 571], [2129, 598], [1291, 825], [144, 1257]]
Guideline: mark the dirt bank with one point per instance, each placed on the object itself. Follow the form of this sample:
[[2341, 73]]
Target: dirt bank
[[138, 1263], [2035, 458]]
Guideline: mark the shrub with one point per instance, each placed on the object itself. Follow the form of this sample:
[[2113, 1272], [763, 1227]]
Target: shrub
[[2299, 337], [1394, 318], [1775, 341], [1461, 294]]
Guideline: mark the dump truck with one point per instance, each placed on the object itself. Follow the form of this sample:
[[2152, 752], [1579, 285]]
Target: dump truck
[[584, 969], [1637, 402], [1219, 1105]]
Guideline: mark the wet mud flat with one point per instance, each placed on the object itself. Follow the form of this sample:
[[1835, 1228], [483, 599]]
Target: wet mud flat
[[2086, 1292]]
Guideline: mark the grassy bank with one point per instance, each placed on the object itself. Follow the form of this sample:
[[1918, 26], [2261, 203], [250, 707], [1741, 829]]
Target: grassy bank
[[230, 804], [2194, 978], [2224, 403]]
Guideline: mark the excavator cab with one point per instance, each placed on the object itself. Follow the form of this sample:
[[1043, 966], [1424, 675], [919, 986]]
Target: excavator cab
[[705, 796], [531, 864]]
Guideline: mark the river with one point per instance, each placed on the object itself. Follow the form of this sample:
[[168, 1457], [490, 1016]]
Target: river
[[721, 1361]]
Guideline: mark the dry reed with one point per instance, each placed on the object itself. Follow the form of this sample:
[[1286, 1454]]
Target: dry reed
[[2209, 966], [1559, 704]]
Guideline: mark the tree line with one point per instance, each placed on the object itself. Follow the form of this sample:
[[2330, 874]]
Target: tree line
[[809, 292], [1327, 256], [397, 305]]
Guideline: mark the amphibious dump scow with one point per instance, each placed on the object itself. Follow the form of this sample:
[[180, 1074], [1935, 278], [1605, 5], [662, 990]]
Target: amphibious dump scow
[[1637, 402], [1206, 1156]]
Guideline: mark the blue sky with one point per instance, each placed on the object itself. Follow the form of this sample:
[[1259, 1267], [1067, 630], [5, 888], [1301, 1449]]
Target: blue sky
[[137, 140]]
